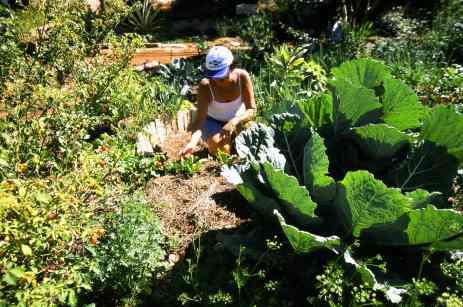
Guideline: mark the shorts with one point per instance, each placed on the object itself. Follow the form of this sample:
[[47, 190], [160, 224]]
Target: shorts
[[211, 126]]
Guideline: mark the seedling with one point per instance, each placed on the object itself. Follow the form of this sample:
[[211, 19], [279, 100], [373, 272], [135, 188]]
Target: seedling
[[186, 166]]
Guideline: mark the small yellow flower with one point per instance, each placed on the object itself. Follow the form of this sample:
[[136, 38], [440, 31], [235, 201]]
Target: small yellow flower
[[21, 167]]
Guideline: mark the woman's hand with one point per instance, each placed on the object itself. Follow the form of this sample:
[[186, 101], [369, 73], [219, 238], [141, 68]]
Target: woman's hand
[[187, 150], [230, 127]]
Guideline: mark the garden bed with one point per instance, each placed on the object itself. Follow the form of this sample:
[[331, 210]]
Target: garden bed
[[162, 53]]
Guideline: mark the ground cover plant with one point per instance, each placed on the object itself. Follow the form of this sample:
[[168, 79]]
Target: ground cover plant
[[364, 165], [69, 172]]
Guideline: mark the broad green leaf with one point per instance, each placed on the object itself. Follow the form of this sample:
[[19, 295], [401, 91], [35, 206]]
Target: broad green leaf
[[433, 164], [422, 198], [401, 106], [321, 186], [256, 144], [43, 198], [11, 277], [295, 199], [353, 106], [363, 201], [304, 242], [26, 250], [428, 167], [365, 72], [431, 224], [420, 226], [444, 127], [447, 245], [380, 141], [258, 199], [317, 111]]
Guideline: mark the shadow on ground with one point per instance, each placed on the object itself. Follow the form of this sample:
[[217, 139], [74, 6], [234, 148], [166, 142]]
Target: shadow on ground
[[216, 271]]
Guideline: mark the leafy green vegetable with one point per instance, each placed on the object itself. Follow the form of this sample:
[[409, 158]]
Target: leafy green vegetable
[[422, 198], [305, 242], [447, 245], [294, 197], [251, 189], [317, 111], [419, 226], [401, 106], [353, 106], [316, 166], [380, 141], [256, 145], [362, 72], [444, 128], [431, 224], [363, 201], [434, 163]]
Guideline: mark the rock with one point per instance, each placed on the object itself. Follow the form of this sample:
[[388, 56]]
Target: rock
[[144, 146], [173, 258], [95, 5], [149, 65], [337, 32], [164, 5], [245, 9]]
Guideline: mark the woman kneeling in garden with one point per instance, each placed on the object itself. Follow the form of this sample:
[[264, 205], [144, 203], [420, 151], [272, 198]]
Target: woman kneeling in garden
[[225, 101]]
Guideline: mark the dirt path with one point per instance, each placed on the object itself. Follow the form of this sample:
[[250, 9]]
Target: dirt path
[[188, 207]]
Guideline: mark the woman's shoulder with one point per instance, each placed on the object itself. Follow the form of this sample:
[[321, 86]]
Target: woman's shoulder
[[204, 82], [243, 74], [241, 71]]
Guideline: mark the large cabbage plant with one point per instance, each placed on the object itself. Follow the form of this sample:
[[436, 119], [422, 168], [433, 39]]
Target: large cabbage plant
[[366, 161]]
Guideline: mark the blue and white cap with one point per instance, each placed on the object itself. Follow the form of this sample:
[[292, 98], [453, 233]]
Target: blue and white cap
[[218, 61]]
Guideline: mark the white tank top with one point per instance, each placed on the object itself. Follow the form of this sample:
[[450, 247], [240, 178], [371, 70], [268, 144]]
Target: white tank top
[[224, 111]]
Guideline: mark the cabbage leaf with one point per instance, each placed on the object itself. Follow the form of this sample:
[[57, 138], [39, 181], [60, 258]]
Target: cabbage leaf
[[362, 72], [353, 106], [380, 141], [433, 164], [363, 201], [418, 227], [304, 242], [316, 164], [295, 199], [401, 106]]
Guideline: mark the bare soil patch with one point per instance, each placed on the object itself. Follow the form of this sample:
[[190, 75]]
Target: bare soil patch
[[190, 206], [174, 144]]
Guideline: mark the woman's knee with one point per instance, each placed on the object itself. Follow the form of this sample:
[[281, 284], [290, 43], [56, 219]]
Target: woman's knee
[[217, 142]]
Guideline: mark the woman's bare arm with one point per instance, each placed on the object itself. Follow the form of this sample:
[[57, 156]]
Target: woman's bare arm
[[248, 98], [204, 97]]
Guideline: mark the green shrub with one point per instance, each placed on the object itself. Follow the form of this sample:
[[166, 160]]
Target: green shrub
[[131, 254], [46, 224], [446, 35], [257, 30], [286, 78], [58, 93]]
